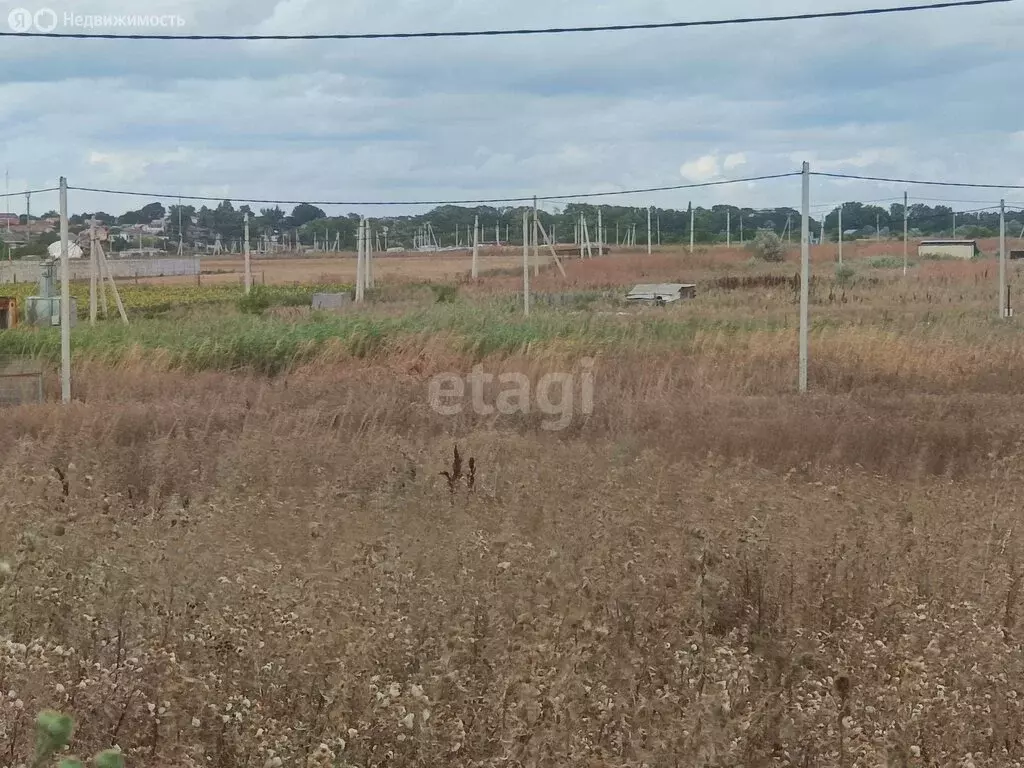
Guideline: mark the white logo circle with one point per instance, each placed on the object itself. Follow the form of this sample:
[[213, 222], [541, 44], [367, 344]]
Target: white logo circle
[[46, 20], [20, 20]]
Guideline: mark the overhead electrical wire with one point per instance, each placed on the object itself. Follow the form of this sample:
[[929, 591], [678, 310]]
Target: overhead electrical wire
[[29, 192], [833, 206], [527, 31], [548, 198], [917, 182], [412, 203], [944, 200]]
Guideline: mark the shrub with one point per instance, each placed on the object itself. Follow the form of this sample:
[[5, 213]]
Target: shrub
[[256, 302], [767, 246], [444, 293], [844, 274], [53, 734]]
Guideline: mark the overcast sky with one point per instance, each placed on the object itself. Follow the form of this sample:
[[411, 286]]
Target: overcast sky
[[928, 95]]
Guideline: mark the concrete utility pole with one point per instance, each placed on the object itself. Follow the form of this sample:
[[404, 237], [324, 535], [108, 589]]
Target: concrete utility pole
[[361, 261], [248, 257], [526, 264], [1002, 259], [805, 274], [476, 247], [692, 211], [94, 270], [65, 297], [954, 225], [600, 233], [579, 228], [650, 234], [906, 230], [728, 228], [840, 234], [368, 265], [181, 241], [536, 241]]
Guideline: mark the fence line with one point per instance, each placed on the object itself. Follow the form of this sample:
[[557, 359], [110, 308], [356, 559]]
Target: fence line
[[30, 272]]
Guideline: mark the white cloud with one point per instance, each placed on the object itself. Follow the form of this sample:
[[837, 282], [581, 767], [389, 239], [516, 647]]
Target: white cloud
[[702, 169], [867, 158], [133, 166], [734, 161]]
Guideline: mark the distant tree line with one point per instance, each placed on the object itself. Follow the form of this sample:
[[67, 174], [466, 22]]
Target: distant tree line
[[922, 221], [670, 226]]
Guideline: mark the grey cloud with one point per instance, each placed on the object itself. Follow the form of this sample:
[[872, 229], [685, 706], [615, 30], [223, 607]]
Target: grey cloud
[[910, 96]]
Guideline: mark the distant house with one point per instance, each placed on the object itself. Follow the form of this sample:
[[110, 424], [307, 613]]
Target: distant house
[[9, 218], [133, 231], [140, 253], [155, 227], [14, 239], [949, 249], [35, 228]]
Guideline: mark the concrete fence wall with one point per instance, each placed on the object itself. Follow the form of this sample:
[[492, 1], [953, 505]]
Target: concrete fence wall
[[28, 271]]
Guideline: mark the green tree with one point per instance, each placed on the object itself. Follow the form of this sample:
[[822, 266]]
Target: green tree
[[144, 215], [273, 218], [303, 214], [186, 214]]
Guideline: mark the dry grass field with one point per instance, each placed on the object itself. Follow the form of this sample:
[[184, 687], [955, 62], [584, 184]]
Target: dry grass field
[[212, 566], [342, 267]]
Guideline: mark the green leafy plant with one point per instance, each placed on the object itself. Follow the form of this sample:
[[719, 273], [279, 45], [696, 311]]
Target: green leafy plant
[[888, 262], [445, 293], [768, 246], [256, 302], [845, 274], [53, 734]]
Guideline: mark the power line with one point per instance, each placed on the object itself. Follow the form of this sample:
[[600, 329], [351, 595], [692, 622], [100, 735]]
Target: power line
[[944, 200], [30, 192], [918, 182], [530, 198], [526, 31], [832, 206], [411, 203]]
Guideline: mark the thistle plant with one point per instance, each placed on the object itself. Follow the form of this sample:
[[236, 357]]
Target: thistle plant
[[53, 734]]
